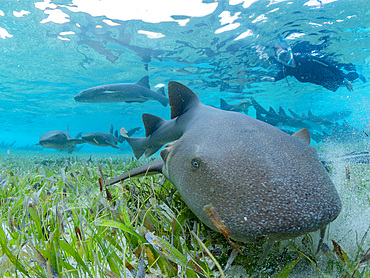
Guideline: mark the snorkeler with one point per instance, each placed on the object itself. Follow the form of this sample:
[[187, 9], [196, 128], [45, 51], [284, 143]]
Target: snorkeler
[[309, 68]]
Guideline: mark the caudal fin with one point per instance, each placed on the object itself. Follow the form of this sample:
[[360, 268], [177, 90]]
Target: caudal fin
[[121, 139], [164, 99], [137, 145]]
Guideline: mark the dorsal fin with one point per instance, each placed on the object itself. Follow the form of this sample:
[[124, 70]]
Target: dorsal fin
[[309, 113], [151, 123], [281, 111], [116, 133], [144, 82], [271, 110], [78, 135], [258, 107], [111, 128], [303, 135], [68, 129], [223, 103], [295, 115], [161, 91], [181, 98]]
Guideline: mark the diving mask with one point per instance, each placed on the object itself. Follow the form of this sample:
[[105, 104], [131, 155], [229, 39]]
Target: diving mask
[[285, 56]]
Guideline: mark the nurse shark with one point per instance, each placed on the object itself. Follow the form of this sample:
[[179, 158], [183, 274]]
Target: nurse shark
[[60, 140], [123, 92], [262, 182], [103, 139], [242, 106]]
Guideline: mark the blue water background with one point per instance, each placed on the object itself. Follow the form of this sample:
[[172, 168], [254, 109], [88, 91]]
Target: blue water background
[[42, 69]]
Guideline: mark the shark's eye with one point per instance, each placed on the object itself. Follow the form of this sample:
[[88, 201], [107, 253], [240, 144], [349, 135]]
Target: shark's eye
[[195, 163]]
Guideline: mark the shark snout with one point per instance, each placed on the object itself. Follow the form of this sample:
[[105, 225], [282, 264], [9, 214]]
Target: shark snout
[[79, 98], [167, 149]]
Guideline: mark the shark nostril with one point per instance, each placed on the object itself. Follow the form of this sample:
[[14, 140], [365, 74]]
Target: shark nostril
[[164, 153]]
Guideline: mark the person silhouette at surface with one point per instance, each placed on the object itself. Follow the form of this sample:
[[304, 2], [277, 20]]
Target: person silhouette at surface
[[311, 68]]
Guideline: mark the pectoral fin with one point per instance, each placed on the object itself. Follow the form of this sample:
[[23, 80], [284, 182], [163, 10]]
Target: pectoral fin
[[151, 168]]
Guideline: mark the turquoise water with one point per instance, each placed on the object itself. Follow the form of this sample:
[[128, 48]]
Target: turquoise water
[[52, 50]]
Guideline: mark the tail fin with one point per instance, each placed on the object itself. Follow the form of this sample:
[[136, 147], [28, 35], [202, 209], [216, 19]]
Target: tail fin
[[116, 137], [137, 145], [140, 146], [121, 139], [164, 99]]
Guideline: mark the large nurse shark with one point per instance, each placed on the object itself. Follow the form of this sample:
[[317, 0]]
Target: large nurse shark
[[262, 182], [123, 92], [60, 140]]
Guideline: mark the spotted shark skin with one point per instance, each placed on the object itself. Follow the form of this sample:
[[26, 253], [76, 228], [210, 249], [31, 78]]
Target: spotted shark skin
[[262, 182]]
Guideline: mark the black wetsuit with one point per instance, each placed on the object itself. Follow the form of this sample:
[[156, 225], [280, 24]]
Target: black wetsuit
[[316, 70]]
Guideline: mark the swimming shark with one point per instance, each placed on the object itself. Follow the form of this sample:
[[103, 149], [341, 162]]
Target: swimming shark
[[313, 118], [60, 140], [123, 92], [242, 106], [262, 182], [341, 133], [277, 119], [103, 139]]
